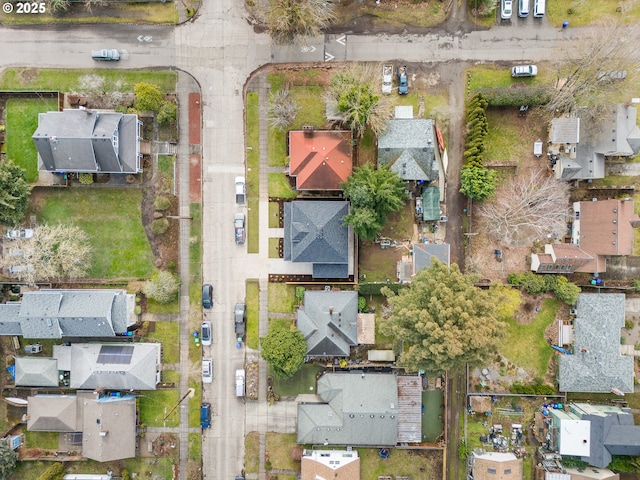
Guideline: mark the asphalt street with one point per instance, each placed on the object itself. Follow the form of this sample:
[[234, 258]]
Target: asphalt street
[[221, 50]]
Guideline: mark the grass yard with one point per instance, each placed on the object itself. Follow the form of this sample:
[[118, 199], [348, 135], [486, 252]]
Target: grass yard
[[252, 452], [22, 122], [162, 308], [427, 13], [165, 168], [253, 310], [155, 404], [65, 80], [170, 376], [278, 451], [130, 13], [195, 401], [274, 248], [282, 298], [28, 470], [195, 254], [304, 381], [419, 465], [587, 13], [279, 186], [166, 333], [44, 440], [312, 106], [253, 172], [367, 153], [526, 346], [111, 219], [274, 213], [195, 447]]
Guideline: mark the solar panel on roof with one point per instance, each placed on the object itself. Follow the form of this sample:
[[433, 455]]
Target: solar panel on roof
[[115, 354]]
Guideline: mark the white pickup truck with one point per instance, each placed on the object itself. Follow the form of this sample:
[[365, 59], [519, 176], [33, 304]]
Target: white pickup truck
[[240, 190], [387, 79]]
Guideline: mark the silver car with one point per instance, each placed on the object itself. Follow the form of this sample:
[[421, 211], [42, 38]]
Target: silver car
[[207, 370]]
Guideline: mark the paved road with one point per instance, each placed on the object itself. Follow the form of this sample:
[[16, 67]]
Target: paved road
[[220, 50]]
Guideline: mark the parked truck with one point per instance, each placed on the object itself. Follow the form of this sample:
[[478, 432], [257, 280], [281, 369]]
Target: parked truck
[[240, 376], [240, 190], [387, 79], [403, 81], [239, 319], [238, 224]]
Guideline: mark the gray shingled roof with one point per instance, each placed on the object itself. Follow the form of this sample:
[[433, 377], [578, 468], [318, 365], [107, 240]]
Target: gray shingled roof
[[359, 409], [596, 364], [408, 148], [88, 141], [313, 233], [565, 130], [117, 416], [424, 253], [329, 322], [87, 372], [36, 372], [53, 413], [69, 313]]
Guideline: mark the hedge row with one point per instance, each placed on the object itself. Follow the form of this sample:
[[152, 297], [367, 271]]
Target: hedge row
[[534, 284], [514, 97]]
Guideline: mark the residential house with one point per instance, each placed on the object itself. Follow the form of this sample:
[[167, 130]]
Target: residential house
[[580, 145], [36, 372], [594, 432], [600, 229], [494, 466], [122, 366], [320, 159], [351, 408], [596, 364], [329, 322], [330, 464], [408, 147], [103, 426], [425, 253], [314, 234], [51, 313], [88, 141]]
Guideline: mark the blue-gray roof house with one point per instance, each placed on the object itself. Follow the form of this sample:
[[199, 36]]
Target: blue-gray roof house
[[69, 313], [425, 253], [594, 432], [355, 408], [89, 141], [408, 147], [329, 322], [596, 364], [313, 233]]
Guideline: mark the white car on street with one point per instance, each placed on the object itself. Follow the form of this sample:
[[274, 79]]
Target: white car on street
[[506, 9], [207, 370]]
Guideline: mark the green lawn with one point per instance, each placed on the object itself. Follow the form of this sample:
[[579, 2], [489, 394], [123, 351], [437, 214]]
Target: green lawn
[[22, 122], [44, 440], [165, 168], [503, 142], [155, 307], [195, 254], [155, 404], [312, 107], [587, 13], [252, 452], [253, 173], [279, 186], [111, 218], [253, 313], [67, 80], [525, 345], [274, 212], [274, 248], [278, 450], [195, 447], [166, 333], [304, 381], [282, 297], [419, 465]]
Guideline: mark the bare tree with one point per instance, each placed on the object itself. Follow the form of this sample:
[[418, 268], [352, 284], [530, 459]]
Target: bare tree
[[54, 252], [282, 109], [590, 73], [527, 208], [289, 20]]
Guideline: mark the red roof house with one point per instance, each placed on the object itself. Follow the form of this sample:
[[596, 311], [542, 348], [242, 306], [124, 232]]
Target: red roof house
[[320, 159]]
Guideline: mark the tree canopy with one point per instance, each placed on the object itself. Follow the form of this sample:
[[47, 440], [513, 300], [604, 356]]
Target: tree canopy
[[374, 194], [8, 460], [14, 194], [284, 348], [162, 287], [477, 183], [290, 19], [443, 321]]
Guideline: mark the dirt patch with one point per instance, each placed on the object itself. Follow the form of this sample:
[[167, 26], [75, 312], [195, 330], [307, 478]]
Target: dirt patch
[[252, 381]]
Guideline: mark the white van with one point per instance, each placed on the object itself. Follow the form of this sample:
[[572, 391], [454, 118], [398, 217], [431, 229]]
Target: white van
[[523, 8], [240, 383], [538, 8]]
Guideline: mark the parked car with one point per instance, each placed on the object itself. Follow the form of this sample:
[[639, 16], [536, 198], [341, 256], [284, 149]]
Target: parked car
[[207, 370], [387, 79], [207, 296], [524, 71], [17, 233], [205, 334], [106, 54], [238, 225], [239, 318], [506, 9], [240, 376], [403, 82], [205, 415]]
